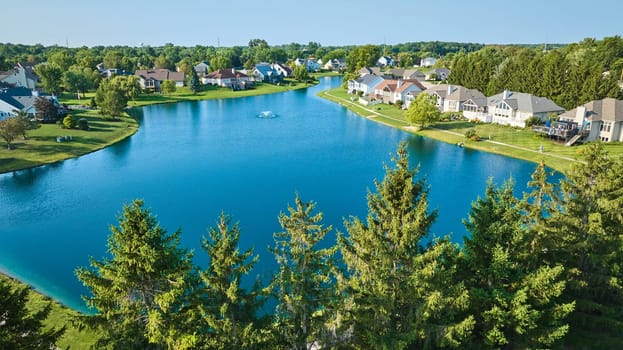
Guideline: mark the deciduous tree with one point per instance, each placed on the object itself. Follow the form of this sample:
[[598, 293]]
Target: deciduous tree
[[423, 110]]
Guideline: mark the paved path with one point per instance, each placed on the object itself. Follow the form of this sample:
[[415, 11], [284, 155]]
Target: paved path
[[358, 105]]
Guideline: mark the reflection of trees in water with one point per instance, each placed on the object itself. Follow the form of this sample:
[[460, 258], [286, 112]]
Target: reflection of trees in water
[[136, 113], [27, 177]]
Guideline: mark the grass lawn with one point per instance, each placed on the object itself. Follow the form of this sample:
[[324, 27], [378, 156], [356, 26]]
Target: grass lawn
[[41, 146], [60, 316], [513, 142], [214, 92]]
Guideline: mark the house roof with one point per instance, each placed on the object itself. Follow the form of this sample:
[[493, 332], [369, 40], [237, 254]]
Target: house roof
[[368, 79], [287, 69], [387, 84], [266, 69], [226, 74], [408, 84], [607, 109], [160, 74], [525, 102]]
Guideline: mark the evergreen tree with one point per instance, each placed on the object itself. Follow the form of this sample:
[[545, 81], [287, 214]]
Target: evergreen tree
[[193, 81], [141, 292], [400, 293], [111, 98], [514, 297], [303, 286], [590, 231], [229, 309], [21, 328]]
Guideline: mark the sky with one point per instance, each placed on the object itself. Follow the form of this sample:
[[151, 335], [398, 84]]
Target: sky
[[329, 22]]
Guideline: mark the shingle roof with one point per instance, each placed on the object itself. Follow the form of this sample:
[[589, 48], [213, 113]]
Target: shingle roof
[[526, 102], [160, 74], [226, 74], [608, 109]]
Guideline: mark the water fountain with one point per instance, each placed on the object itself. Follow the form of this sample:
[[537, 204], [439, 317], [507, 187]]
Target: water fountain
[[267, 115]]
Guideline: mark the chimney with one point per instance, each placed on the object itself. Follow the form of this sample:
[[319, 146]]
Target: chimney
[[399, 83], [233, 71], [450, 89], [580, 114], [506, 94]]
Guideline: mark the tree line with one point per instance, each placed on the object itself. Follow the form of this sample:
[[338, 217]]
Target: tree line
[[542, 270], [570, 75]]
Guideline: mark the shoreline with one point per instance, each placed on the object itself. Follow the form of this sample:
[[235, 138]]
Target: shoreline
[[485, 145], [162, 99]]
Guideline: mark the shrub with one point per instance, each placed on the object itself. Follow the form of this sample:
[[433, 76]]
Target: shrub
[[534, 120], [83, 124], [68, 122], [471, 134]]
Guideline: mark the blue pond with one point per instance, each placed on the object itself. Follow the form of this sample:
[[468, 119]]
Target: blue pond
[[191, 161]]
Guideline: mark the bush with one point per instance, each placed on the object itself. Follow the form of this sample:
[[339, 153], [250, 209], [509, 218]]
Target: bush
[[471, 134], [533, 121], [83, 124], [68, 122]]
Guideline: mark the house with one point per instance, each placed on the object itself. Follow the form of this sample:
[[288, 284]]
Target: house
[[438, 74], [428, 61], [392, 91], [385, 61], [152, 78], [22, 75], [405, 74], [311, 65], [452, 98], [202, 69], [13, 100], [364, 85], [598, 120], [229, 78], [265, 72], [336, 64], [282, 69], [514, 108], [370, 70]]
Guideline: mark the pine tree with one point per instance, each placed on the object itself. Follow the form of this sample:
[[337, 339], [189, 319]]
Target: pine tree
[[141, 291], [193, 81], [229, 309], [590, 227], [304, 285], [19, 327], [516, 301], [400, 293]]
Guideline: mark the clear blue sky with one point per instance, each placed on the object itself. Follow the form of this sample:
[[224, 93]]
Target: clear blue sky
[[329, 22]]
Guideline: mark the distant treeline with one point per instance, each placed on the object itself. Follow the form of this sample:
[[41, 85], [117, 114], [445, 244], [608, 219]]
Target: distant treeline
[[570, 76], [170, 56], [543, 270]]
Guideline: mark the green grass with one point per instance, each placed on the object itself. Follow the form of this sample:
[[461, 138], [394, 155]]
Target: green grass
[[513, 142], [214, 92], [41, 146], [60, 316]]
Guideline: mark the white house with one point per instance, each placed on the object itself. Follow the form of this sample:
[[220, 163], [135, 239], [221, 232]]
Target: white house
[[428, 62], [202, 68], [22, 75], [385, 61], [365, 84], [282, 69], [229, 78], [600, 120], [392, 91], [311, 65], [514, 108], [452, 98], [22, 99]]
